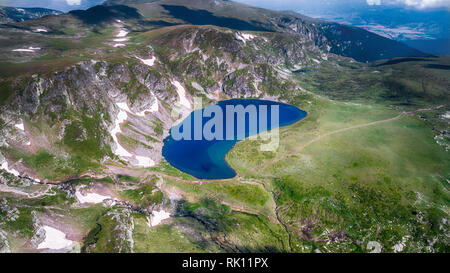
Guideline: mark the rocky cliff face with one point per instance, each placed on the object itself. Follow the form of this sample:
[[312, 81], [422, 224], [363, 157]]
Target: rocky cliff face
[[78, 108], [4, 244], [348, 41], [108, 110], [10, 14], [238, 63], [101, 110]]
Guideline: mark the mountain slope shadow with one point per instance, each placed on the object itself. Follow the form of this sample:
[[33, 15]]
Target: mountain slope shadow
[[402, 60], [100, 14], [204, 17], [438, 66]]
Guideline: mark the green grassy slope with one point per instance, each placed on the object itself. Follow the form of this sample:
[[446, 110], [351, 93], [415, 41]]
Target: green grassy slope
[[381, 183]]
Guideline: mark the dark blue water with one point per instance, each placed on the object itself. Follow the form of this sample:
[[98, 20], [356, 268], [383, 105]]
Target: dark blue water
[[205, 159]]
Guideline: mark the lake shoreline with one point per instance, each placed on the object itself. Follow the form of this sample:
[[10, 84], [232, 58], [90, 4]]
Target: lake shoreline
[[206, 159]]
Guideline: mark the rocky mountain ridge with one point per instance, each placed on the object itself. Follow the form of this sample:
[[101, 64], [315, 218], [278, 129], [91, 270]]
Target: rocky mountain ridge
[[10, 14], [97, 110]]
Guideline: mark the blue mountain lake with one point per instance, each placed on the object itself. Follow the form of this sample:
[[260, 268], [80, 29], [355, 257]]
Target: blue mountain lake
[[205, 159]]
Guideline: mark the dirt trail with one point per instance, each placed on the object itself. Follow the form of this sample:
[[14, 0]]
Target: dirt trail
[[318, 138], [37, 194], [276, 208]]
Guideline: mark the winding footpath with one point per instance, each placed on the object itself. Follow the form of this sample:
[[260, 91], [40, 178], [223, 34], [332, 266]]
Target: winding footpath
[[320, 137]]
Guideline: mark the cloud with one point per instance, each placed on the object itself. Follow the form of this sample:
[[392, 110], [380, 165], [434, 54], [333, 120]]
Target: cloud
[[418, 4], [337, 4], [373, 2], [423, 4], [73, 2]]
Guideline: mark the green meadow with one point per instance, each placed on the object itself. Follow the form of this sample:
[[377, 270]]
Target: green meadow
[[383, 182]]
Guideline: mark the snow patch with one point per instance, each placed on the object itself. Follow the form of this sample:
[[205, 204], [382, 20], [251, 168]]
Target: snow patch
[[40, 30], [182, 94], [29, 49], [446, 115], [244, 37], [20, 126], [122, 33], [55, 239], [155, 106], [124, 106], [121, 117], [157, 217], [283, 73], [92, 198], [144, 162], [5, 167], [198, 87], [401, 245], [149, 62], [120, 37]]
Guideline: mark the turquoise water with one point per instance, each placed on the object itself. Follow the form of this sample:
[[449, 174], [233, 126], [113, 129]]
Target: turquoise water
[[205, 159]]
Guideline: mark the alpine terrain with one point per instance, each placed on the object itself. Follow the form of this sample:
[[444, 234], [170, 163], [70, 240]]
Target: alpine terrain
[[88, 97]]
